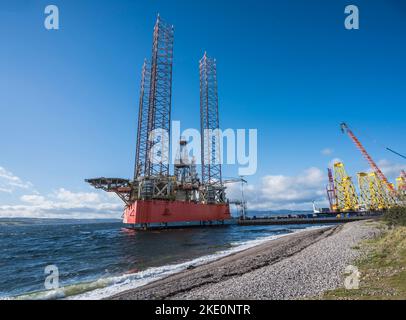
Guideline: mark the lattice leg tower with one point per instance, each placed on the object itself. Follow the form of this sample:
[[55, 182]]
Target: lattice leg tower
[[210, 134], [160, 97], [142, 134]]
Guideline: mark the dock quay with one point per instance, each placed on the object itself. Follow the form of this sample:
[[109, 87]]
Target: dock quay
[[286, 221]]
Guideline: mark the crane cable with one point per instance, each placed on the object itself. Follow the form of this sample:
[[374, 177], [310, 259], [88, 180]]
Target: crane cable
[[397, 153]]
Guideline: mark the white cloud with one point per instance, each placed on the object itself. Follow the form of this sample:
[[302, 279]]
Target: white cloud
[[77, 198], [327, 151], [33, 199], [65, 204], [276, 192], [61, 203], [390, 169], [10, 182]]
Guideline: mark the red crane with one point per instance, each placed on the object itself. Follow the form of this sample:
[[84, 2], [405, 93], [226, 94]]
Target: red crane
[[375, 168]]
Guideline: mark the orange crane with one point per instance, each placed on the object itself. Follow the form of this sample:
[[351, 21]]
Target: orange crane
[[375, 168]]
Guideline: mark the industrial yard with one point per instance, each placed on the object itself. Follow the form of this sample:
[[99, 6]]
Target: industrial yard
[[216, 150], [159, 195]]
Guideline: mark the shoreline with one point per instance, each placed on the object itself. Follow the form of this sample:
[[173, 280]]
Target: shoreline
[[106, 287], [298, 265]]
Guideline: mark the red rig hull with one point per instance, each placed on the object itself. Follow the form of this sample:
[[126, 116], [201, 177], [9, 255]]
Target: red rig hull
[[161, 211]]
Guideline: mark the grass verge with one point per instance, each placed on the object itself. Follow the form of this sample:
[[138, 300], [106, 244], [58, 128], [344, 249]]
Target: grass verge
[[383, 269]]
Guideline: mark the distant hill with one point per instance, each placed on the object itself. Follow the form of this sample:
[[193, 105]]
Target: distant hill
[[51, 221]]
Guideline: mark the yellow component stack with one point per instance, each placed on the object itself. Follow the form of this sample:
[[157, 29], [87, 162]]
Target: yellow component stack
[[381, 198], [346, 194], [401, 185], [364, 192]]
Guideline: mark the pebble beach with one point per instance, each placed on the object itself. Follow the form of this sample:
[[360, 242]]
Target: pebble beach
[[298, 266]]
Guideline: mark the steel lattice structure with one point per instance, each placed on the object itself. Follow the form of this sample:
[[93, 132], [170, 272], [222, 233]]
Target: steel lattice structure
[[346, 193], [160, 96], [364, 191], [331, 191], [209, 117], [143, 114], [380, 197], [401, 182]]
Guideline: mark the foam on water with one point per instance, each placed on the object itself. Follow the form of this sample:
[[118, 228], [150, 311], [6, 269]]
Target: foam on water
[[109, 286]]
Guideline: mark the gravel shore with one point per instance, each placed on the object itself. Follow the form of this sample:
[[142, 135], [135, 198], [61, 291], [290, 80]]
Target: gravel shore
[[296, 266]]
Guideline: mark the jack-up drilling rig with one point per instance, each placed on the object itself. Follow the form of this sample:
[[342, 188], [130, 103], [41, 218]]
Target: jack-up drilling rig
[[154, 196]]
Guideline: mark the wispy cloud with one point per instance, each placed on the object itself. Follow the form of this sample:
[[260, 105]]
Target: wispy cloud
[[10, 182], [327, 151]]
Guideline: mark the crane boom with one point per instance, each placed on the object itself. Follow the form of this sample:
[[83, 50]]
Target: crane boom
[[374, 166]]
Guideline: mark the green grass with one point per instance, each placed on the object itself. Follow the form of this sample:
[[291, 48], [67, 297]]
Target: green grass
[[383, 270], [396, 216]]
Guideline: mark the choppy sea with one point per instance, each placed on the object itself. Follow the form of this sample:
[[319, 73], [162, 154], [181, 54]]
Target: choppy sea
[[95, 259]]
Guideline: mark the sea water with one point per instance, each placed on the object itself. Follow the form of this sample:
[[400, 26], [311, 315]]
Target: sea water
[[96, 259]]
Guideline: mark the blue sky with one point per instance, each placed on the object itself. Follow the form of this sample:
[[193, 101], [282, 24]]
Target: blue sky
[[68, 98]]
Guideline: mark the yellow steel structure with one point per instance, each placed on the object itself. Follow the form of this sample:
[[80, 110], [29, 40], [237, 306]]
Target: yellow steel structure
[[346, 194], [364, 191], [401, 185], [380, 195], [401, 188]]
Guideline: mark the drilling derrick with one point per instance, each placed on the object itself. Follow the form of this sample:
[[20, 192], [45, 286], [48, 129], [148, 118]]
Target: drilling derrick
[[213, 188], [346, 194], [364, 191], [187, 182]]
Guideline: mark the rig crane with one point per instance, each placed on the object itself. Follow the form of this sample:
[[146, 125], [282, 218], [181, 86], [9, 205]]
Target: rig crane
[[241, 204]]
